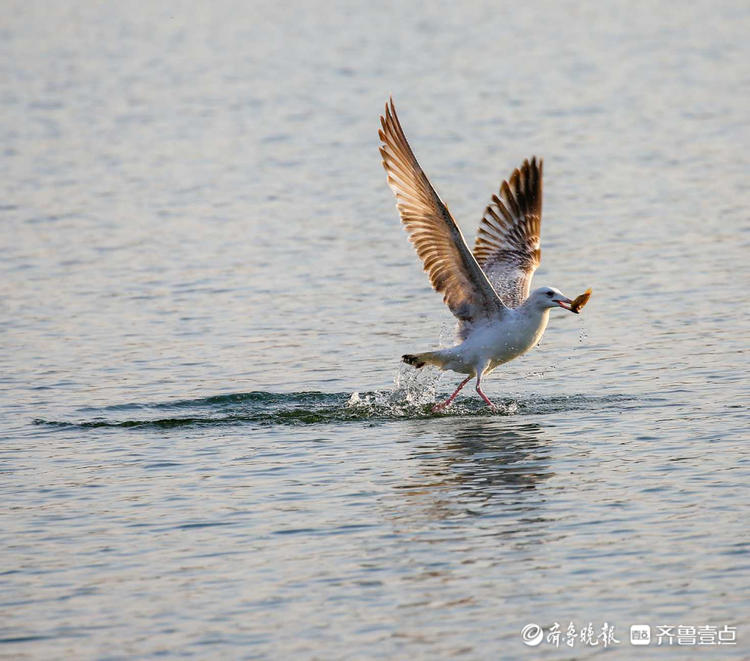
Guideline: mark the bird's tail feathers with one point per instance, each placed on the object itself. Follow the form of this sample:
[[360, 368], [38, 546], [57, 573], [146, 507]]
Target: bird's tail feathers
[[422, 359]]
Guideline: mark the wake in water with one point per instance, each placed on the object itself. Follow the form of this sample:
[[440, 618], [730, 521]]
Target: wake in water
[[412, 398]]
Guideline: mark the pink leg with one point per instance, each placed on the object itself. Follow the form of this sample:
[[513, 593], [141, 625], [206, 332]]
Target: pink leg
[[482, 395], [446, 403]]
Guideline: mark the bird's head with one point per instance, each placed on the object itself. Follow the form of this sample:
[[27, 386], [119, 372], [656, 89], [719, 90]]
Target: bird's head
[[549, 297]]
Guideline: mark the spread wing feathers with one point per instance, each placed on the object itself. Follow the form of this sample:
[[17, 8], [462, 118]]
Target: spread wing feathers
[[507, 245], [453, 270]]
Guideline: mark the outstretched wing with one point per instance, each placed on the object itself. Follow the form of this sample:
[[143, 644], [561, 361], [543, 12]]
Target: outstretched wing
[[453, 270], [507, 245]]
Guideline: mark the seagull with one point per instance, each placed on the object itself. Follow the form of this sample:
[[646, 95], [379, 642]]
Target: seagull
[[486, 289]]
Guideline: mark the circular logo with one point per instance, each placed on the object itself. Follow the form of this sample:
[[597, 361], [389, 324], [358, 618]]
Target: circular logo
[[532, 634]]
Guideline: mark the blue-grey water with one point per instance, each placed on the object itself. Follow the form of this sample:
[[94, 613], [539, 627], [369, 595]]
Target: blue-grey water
[[208, 446]]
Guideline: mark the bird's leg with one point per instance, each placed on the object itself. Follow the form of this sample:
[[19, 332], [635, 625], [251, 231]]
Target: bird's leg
[[481, 393], [446, 403]]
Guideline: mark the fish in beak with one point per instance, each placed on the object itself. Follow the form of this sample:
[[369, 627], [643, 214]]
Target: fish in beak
[[565, 304], [579, 301]]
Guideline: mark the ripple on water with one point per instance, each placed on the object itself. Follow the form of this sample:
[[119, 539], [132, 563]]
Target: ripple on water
[[309, 408]]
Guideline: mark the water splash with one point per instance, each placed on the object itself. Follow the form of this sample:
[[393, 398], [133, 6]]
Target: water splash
[[448, 334], [417, 387], [413, 391]]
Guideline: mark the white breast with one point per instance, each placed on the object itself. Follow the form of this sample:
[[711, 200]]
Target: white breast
[[498, 343]]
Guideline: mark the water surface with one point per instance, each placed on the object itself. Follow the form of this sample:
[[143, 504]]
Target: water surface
[[208, 445]]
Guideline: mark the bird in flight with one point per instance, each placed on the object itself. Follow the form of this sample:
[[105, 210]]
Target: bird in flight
[[486, 289]]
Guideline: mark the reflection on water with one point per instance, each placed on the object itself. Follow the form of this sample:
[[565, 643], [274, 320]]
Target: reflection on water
[[470, 469]]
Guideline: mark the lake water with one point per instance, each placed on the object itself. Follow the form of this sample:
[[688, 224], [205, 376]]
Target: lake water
[[209, 447]]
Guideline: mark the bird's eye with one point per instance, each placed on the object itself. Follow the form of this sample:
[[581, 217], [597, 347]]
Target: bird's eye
[[549, 293]]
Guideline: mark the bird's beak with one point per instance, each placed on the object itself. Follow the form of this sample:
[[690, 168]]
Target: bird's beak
[[565, 304]]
